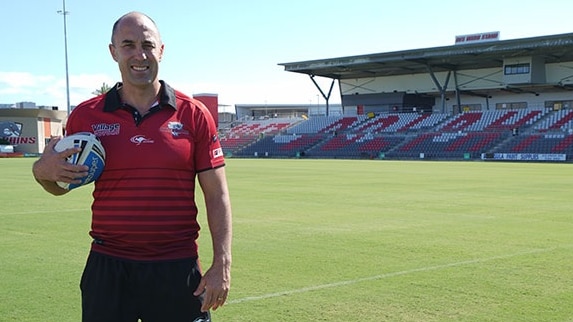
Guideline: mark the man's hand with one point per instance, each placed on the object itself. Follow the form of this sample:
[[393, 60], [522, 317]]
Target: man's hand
[[52, 166], [214, 286]]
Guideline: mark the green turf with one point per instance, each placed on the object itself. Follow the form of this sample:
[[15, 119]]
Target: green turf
[[335, 240]]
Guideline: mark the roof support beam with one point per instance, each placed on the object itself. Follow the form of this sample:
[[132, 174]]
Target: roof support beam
[[440, 87], [326, 97], [458, 99]]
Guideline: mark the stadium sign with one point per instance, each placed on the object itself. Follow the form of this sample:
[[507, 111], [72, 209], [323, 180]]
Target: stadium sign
[[477, 38], [524, 156]]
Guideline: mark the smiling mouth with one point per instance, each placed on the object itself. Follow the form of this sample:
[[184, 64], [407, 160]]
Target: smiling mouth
[[140, 68]]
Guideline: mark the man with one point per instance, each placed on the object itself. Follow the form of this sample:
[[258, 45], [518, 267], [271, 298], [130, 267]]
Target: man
[[143, 262]]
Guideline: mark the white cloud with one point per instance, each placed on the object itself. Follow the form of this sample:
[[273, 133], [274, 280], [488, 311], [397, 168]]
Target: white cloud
[[48, 89], [23, 79]]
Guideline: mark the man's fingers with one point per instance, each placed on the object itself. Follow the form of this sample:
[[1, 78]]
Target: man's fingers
[[212, 300], [53, 165], [200, 288], [72, 174], [69, 152]]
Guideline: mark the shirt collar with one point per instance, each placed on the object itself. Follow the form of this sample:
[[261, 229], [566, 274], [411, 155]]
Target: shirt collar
[[113, 100]]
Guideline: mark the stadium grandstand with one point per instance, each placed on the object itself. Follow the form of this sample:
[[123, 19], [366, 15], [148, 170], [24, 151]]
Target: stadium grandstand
[[480, 98]]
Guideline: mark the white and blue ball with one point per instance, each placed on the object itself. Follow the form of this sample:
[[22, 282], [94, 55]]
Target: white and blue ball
[[92, 155]]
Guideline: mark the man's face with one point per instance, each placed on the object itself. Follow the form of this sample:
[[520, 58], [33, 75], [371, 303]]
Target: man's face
[[137, 48]]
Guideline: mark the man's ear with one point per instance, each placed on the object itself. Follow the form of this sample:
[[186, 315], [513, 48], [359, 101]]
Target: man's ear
[[161, 52], [112, 51]]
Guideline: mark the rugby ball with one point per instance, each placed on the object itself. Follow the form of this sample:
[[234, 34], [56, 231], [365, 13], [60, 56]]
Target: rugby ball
[[92, 155]]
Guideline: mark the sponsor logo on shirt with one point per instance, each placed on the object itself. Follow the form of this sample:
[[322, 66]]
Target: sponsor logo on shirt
[[141, 139], [104, 129], [217, 153], [176, 129]]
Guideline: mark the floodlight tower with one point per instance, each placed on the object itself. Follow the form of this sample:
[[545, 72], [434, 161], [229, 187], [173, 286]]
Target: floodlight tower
[[64, 13]]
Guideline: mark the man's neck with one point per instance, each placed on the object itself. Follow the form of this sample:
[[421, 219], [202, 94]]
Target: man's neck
[[140, 97]]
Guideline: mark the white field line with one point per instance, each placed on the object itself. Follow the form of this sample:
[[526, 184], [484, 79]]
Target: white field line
[[388, 275]]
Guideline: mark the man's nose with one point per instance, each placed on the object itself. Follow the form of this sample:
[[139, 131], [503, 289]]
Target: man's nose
[[141, 54]]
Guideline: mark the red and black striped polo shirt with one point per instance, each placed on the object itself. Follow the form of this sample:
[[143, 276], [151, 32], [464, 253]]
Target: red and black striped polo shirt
[[144, 202]]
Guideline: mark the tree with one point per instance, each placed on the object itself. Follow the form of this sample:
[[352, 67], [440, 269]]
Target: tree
[[102, 90]]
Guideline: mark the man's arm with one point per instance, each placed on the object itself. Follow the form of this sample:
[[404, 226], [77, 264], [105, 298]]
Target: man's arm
[[52, 166], [217, 279]]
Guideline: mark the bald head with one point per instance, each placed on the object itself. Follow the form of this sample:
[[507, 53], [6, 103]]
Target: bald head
[[134, 17]]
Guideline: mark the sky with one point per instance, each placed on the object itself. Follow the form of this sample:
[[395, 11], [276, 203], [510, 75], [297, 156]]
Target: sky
[[232, 48]]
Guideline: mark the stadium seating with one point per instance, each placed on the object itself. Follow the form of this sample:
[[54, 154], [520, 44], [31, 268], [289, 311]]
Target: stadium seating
[[557, 120], [406, 135]]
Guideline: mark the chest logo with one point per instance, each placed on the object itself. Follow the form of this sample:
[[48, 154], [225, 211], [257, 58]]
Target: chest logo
[[176, 129], [141, 139]]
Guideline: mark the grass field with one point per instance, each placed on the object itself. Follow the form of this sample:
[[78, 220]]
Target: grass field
[[335, 240]]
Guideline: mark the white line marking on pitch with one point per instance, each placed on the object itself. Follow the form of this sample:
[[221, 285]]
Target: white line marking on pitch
[[387, 275]]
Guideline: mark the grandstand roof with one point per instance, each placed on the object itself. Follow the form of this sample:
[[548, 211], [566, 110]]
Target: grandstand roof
[[553, 48]]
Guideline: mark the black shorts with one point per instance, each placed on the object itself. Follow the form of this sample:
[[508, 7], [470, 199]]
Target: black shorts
[[115, 290]]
